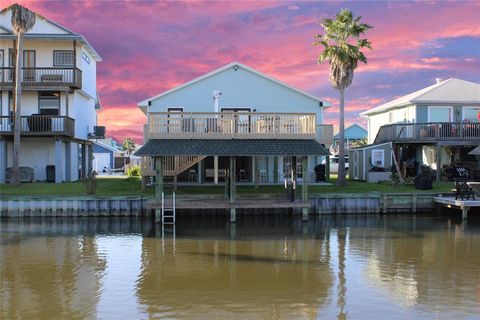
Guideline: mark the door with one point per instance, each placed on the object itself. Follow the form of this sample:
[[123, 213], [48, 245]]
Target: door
[[355, 165], [2, 79], [174, 120], [242, 122], [29, 65]]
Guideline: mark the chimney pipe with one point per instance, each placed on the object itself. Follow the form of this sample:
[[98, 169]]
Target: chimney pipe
[[438, 80]]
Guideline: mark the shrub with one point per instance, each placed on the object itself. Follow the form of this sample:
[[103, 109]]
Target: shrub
[[91, 184], [133, 171]]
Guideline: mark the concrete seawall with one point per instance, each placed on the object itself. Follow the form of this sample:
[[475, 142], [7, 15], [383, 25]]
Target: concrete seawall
[[50, 206], [72, 206]]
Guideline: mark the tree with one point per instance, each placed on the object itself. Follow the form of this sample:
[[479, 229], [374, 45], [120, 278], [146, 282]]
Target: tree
[[22, 21], [341, 49], [128, 145]]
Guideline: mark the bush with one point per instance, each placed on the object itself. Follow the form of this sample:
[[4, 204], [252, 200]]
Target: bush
[[133, 171], [91, 184]]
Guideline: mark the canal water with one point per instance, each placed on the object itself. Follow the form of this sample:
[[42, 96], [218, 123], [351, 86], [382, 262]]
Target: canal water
[[336, 267]]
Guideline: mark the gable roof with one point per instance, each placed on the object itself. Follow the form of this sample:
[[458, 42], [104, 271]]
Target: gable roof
[[66, 34], [448, 91], [108, 147], [143, 104], [354, 132]]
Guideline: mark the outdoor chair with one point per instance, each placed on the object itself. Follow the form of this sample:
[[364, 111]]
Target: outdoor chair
[[242, 175], [462, 189], [192, 175]]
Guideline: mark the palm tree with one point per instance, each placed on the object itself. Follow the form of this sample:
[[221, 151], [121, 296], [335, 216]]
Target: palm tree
[[128, 145], [22, 21], [341, 49]]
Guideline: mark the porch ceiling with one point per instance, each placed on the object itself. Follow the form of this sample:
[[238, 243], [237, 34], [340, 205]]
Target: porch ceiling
[[232, 147]]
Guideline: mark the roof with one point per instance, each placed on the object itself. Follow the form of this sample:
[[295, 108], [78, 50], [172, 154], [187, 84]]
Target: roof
[[448, 91], [369, 146], [106, 146], [475, 151], [235, 64], [232, 147], [354, 132], [69, 35]]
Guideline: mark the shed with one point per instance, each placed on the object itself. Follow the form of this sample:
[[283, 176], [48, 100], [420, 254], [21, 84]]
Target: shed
[[363, 159]]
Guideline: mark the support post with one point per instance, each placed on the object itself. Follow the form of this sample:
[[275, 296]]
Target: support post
[[294, 175], [464, 212], [327, 168], [215, 169], [305, 187], [233, 211], [439, 161], [3, 160], [275, 170], [280, 169], [200, 172], [158, 186], [68, 161], [58, 161]]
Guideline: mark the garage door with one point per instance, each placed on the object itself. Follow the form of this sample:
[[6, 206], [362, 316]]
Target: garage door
[[100, 161]]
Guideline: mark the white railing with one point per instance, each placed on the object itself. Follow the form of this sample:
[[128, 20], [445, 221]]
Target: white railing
[[230, 125]]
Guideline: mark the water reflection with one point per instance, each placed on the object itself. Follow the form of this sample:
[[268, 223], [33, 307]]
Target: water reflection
[[261, 267]]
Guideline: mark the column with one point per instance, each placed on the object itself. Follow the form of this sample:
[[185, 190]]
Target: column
[[254, 170], [327, 168], [68, 161], [89, 159], [280, 169], [84, 162], [200, 171], [233, 211], [158, 186], [3, 160], [271, 169], [305, 187], [58, 161], [439, 161], [215, 169]]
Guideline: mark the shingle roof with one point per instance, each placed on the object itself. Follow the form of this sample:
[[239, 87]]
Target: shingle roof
[[448, 91], [232, 147]]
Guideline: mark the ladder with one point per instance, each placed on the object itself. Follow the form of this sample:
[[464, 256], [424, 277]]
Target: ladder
[[168, 214]]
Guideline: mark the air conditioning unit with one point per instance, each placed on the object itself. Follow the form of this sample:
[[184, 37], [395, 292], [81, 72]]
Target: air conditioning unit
[[98, 132]]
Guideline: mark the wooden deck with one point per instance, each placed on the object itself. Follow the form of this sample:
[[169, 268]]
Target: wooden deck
[[463, 205], [226, 204]]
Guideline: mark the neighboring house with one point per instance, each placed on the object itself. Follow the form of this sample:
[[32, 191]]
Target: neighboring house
[[354, 135], [363, 159], [107, 157], [59, 100], [234, 111], [437, 126]]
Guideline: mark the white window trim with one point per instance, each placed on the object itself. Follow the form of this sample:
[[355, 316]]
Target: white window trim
[[449, 107], [468, 107], [383, 156]]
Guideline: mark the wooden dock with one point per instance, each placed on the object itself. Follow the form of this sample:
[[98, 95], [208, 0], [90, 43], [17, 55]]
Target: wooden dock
[[463, 205], [202, 204]]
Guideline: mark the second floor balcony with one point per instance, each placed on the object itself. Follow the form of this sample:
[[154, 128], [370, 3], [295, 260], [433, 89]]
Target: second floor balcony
[[42, 78], [236, 125], [39, 125], [429, 132]]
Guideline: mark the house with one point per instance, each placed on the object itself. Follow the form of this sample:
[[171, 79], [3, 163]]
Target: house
[[59, 100], [107, 156], [436, 126], [354, 136], [234, 111]]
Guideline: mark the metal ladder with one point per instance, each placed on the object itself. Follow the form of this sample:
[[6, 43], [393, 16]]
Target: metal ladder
[[168, 218]]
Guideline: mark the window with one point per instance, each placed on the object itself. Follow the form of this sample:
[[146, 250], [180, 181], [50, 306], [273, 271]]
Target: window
[[378, 157], [49, 103], [471, 114], [439, 114], [63, 58]]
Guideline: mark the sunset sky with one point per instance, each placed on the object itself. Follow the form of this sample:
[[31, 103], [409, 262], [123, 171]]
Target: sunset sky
[[149, 47]]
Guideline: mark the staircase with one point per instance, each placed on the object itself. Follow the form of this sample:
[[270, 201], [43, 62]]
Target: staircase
[[172, 165]]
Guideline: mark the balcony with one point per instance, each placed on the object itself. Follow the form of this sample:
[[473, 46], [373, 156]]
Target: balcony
[[39, 125], [428, 132], [235, 125], [42, 78]]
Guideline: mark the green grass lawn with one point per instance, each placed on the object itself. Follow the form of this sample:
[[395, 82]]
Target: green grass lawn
[[123, 186]]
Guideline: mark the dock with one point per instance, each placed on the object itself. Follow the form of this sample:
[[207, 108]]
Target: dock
[[463, 205], [226, 204]]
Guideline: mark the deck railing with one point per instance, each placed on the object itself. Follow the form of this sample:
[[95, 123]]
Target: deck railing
[[231, 125], [433, 131], [43, 77], [39, 125]]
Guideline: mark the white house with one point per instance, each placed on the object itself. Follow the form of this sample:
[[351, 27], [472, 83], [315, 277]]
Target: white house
[[59, 100], [437, 126], [236, 105]]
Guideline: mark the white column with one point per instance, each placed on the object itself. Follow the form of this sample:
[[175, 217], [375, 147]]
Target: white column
[[254, 169], [215, 169], [200, 171], [68, 161], [58, 161], [280, 169], [3, 160], [271, 167]]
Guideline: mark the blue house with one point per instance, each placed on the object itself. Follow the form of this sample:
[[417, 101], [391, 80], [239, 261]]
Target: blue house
[[107, 156], [238, 106], [353, 135], [436, 126]]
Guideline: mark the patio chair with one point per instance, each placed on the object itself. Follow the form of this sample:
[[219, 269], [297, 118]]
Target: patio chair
[[462, 189], [242, 175], [192, 175]]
